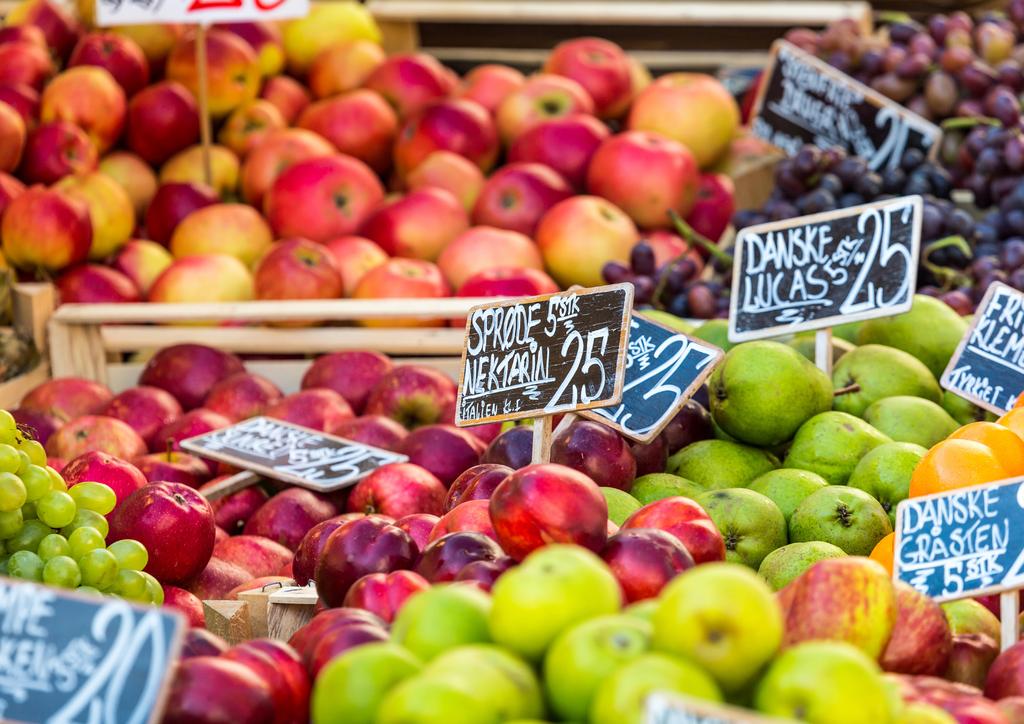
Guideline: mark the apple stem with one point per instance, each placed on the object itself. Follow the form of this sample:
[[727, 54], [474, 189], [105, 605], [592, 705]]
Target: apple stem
[[849, 389]]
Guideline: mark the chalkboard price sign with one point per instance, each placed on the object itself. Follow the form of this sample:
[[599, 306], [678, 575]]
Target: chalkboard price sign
[[988, 366], [964, 542], [663, 370], [805, 100], [679, 709], [72, 658], [542, 355], [816, 271], [291, 453]]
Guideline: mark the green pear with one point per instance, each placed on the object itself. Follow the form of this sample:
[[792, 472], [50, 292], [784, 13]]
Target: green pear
[[872, 372], [967, 616], [719, 433], [442, 617], [669, 320], [432, 697], [622, 696], [831, 444], [350, 688], [843, 516], [763, 391], [655, 486], [847, 332], [715, 464], [786, 563], [621, 504], [930, 331], [643, 610], [510, 685], [715, 331], [751, 525], [884, 473], [961, 410], [911, 419], [804, 343], [787, 487]]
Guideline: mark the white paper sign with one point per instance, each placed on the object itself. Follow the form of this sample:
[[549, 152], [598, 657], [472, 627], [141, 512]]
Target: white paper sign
[[196, 12]]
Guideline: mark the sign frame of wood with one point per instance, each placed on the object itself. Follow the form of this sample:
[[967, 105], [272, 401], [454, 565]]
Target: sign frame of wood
[[669, 708], [899, 118], [118, 663], [861, 282], [144, 12], [558, 300], [947, 380], [604, 415], [195, 446]]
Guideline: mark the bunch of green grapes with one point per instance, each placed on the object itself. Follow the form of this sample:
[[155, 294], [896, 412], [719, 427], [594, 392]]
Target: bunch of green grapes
[[58, 536]]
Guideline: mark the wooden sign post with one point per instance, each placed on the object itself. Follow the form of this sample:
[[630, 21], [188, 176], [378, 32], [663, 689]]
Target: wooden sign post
[[815, 271], [664, 708], [988, 365], [75, 658], [803, 100], [536, 357], [965, 543], [664, 368]]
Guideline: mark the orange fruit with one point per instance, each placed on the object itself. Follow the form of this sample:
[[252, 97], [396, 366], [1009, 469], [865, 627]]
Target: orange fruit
[[1007, 445], [1014, 419], [884, 551], [953, 464]]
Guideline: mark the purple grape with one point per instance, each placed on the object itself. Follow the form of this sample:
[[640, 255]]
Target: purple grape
[[1011, 256], [615, 272], [642, 260]]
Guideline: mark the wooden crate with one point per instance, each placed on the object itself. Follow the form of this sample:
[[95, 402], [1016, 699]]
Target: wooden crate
[[33, 305], [109, 342]]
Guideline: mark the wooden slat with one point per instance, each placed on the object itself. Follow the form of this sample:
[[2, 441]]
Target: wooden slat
[[653, 59]]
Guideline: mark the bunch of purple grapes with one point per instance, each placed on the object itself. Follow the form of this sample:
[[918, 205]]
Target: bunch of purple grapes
[[988, 162]]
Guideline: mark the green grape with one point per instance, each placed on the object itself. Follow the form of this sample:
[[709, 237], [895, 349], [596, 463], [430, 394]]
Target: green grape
[[87, 519], [156, 591], [28, 511], [12, 492], [8, 425], [26, 565], [131, 555], [62, 571], [99, 568], [85, 539], [93, 496], [52, 546], [56, 480], [88, 591], [56, 509], [28, 538], [10, 461], [3, 564], [25, 461], [37, 482], [132, 585], [10, 524], [35, 451]]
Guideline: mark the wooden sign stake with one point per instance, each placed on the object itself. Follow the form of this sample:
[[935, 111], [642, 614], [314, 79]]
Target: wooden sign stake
[[1009, 617], [205, 131], [823, 350], [541, 440]]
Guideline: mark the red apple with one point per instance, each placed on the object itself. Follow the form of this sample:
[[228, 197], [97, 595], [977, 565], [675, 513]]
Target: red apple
[[971, 658], [402, 279], [475, 483], [488, 84], [288, 95], [397, 490], [45, 229], [119, 475], [95, 284], [288, 703], [548, 503], [248, 125], [189, 371], [289, 515], [192, 423], [344, 67], [297, 269], [517, 196], [512, 448], [24, 63], [203, 278], [410, 81], [289, 663], [444, 558], [117, 54], [542, 97], [470, 516], [163, 120], [359, 547], [444, 450], [218, 691], [146, 410], [186, 603], [307, 553], [171, 204], [233, 72], [235, 230], [714, 206], [359, 123], [412, 395], [24, 99], [486, 432], [95, 432], [484, 573], [306, 638], [449, 171], [668, 246], [10, 189], [419, 527], [461, 126], [59, 25], [600, 66], [265, 40], [644, 560], [173, 467], [55, 150], [162, 512], [12, 137], [597, 451], [384, 593], [352, 374], [156, 40], [651, 457], [505, 282], [39, 425], [258, 555], [27, 33], [318, 409], [418, 225], [1006, 677], [278, 151], [90, 98], [563, 144], [133, 175], [233, 511], [579, 235], [646, 175], [242, 395], [687, 521], [220, 534], [322, 198], [68, 397], [921, 641], [691, 424], [353, 257], [200, 642], [338, 640]]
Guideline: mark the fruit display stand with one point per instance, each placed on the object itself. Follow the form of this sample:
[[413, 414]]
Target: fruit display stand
[[33, 304]]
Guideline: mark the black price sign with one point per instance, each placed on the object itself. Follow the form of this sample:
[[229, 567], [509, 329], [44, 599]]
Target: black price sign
[[663, 370], [805, 100], [962, 543], [988, 366], [539, 356], [816, 271], [65, 657], [291, 453], [678, 709]]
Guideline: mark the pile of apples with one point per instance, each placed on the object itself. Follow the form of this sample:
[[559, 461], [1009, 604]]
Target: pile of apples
[[338, 171]]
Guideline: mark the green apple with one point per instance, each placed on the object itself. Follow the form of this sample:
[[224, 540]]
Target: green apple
[[843, 516], [642, 609], [884, 474], [509, 682], [621, 504], [787, 563], [428, 698], [350, 688], [787, 487], [622, 696], [441, 618], [751, 525], [580, 659], [655, 486], [554, 588], [722, 617], [824, 682]]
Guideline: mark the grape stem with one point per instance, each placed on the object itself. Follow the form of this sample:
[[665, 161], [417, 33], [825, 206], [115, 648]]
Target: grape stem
[[946, 276], [951, 124], [692, 238]]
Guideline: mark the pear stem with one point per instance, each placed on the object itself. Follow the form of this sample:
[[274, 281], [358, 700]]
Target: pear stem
[[848, 390]]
